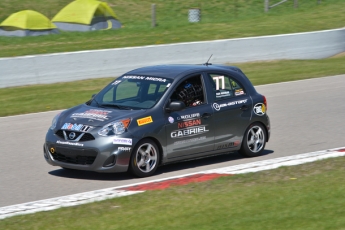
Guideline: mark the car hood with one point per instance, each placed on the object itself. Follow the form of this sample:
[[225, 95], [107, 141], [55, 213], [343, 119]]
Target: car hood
[[95, 116]]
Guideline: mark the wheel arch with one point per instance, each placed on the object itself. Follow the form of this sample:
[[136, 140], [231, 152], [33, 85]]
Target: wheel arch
[[266, 131], [160, 148]]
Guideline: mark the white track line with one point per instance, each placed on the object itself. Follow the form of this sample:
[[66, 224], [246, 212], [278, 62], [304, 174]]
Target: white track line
[[103, 194]]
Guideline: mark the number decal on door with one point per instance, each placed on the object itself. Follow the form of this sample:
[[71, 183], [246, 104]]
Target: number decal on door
[[221, 79]]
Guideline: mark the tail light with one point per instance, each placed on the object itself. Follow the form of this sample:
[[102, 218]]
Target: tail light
[[265, 102]]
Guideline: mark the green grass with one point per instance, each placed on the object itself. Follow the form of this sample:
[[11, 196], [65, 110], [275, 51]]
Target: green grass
[[309, 196], [220, 20], [38, 98]]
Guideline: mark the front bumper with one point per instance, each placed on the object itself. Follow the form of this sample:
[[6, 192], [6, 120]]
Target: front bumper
[[99, 155]]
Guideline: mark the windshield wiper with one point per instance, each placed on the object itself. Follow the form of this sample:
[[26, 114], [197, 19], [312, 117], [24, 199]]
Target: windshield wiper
[[115, 106]]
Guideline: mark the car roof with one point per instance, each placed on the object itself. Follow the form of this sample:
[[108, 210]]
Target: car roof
[[172, 71]]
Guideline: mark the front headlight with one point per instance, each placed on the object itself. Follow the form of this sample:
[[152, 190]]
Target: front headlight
[[54, 121], [115, 127]]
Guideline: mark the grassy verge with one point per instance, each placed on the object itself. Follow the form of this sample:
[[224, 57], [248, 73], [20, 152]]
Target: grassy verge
[[309, 196], [38, 98], [219, 20]]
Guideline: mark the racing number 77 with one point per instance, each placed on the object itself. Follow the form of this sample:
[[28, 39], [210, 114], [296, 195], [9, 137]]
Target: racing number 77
[[221, 78]]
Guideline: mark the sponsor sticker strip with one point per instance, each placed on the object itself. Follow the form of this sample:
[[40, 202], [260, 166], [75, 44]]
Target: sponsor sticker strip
[[193, 131], [69, 143], [189, 116], [122, 141], [239, 92], [76, 127], [116, 82], [95, 114], [144, 78], [217, 106], [188, 123], [223, 94], [228, 145], [144, 120], [259, 109], [124, 148]]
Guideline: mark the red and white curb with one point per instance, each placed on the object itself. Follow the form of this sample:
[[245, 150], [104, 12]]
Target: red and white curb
[[103, 194]]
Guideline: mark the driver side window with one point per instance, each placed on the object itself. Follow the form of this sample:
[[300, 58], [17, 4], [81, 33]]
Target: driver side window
[[190, 91]]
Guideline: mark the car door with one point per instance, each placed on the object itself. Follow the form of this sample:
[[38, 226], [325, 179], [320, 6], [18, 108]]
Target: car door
[[190, 132], [232, 110]]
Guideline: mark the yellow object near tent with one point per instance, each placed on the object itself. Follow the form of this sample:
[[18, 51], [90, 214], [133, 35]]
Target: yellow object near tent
[[85, 15], [27, 23]]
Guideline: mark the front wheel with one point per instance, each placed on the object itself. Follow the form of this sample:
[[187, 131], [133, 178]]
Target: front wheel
[[254, 140], [144, 159]]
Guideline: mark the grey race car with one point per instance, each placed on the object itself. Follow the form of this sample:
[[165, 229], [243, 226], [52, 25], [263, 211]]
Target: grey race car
[[160, 114]]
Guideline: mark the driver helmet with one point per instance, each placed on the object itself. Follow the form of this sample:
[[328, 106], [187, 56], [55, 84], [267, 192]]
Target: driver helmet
[[190, 93]]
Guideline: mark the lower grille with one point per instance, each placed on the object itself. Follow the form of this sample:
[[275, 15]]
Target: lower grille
[[75, 156], [87, 137]]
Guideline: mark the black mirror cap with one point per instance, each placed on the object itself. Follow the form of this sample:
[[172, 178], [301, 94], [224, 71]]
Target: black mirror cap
[[176, 106]]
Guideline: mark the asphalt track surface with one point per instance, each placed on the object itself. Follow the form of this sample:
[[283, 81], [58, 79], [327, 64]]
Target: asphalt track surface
[[305, 116]]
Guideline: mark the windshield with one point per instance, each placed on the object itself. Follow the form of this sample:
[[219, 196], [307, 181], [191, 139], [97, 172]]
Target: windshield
[[133, 92]]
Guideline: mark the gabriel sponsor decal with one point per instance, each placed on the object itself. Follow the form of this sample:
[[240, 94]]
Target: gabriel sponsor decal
[[144, 120], [219, 106], [122, 141], [124, 148], [95, 114], [195, 130], [76, 127], [185, 124], [144, 78], [69, 143], [259, 109], [188, 116]]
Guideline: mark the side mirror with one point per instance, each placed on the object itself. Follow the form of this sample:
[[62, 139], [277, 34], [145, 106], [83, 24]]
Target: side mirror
[[176, 106]]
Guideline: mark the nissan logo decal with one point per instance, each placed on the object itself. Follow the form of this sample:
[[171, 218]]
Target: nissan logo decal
[[72, 135]]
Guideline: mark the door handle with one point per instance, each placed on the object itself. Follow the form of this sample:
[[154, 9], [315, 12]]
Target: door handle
[[244, 107], [206, 115]]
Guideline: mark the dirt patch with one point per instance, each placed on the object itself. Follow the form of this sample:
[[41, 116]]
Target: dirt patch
[[338, 55]]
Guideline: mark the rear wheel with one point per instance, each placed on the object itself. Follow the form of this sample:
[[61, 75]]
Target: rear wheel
[[144, 159], [254, 140]]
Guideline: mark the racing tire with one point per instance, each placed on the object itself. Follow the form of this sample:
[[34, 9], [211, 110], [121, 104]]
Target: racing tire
[[254, 140], [145, 158]]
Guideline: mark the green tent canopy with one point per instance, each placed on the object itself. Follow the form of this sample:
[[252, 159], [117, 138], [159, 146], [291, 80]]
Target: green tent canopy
[[86, 15], [27, 23]]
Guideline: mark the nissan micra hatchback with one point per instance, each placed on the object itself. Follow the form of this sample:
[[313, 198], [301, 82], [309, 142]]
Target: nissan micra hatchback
[[156, 115]]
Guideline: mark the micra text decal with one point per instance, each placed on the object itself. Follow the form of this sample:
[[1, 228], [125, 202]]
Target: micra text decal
[[144, 78]]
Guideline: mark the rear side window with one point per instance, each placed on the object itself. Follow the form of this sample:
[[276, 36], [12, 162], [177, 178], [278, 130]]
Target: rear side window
[[225, 87]]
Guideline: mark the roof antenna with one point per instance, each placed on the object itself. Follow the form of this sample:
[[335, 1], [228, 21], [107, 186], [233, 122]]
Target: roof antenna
[[208, 61]]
